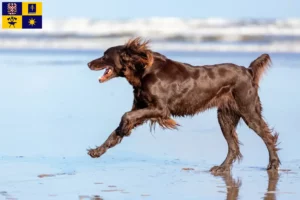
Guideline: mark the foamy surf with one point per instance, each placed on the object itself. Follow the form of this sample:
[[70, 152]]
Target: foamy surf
[[166, 34]]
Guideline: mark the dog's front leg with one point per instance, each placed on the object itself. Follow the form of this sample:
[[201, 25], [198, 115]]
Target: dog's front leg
[[129, 121], [110, 142]]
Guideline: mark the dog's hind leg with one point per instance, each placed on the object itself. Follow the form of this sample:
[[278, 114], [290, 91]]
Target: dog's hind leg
[[251, 114], [228, 120]]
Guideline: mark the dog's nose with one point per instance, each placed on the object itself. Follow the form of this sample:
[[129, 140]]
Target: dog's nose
[[89, 64]]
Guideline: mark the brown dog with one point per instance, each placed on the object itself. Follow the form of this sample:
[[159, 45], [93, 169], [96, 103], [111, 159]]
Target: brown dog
[[165, 88]]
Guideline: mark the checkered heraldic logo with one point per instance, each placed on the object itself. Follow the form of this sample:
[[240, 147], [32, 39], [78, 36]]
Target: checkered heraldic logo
[[22, 15]]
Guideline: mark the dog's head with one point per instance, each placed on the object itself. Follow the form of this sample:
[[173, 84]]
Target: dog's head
[[127, 60]]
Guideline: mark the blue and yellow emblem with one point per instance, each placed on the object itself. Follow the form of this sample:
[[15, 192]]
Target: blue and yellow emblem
[[22, 15]]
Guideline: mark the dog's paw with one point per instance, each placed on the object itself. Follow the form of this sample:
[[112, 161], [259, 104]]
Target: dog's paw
[[220, 169], [94, 153], [273, 165]]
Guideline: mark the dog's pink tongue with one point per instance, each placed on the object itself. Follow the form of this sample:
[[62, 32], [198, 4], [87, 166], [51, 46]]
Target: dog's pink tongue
[[103, 77]]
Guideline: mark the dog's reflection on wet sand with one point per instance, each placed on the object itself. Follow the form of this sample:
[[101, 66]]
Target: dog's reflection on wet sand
[[273, 178], [233, 185]]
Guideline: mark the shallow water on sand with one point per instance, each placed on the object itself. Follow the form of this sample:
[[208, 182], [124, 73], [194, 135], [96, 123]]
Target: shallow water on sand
[[52, 109]]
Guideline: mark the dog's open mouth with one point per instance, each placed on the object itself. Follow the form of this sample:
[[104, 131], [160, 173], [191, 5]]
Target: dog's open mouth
[[107, 73]]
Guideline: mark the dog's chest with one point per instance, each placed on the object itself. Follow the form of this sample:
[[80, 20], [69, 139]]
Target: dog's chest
[[141, 98]]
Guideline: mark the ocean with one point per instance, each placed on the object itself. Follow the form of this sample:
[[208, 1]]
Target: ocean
[[53, 108], [166, 33]]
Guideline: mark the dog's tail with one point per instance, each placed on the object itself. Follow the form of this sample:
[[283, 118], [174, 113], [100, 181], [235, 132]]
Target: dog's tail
[[259, 66]]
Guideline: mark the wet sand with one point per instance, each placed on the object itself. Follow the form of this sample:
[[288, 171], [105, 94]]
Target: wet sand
[[155, 179]]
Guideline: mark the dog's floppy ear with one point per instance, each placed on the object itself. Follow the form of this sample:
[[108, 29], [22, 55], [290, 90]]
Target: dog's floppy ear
[[137, 52]]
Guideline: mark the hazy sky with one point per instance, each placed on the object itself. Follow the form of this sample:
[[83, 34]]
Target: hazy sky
[[124, 9]]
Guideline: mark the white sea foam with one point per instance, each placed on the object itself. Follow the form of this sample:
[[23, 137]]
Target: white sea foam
[[167, 33]]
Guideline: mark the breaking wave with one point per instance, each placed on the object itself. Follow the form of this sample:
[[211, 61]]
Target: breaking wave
[[210, 34]]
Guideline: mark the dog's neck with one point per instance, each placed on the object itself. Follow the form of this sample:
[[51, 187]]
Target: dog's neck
[[134, 81], [133, 78]]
